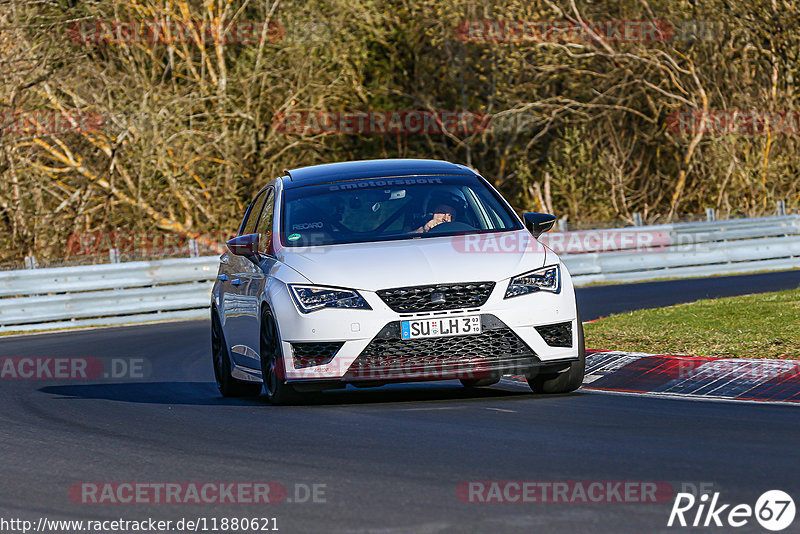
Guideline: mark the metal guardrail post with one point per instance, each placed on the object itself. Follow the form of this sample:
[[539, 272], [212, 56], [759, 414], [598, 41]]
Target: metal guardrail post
[[113, 255], [711, 215], [194, 249], [637, 219], [562, 225], [30, 262], [781, 208]]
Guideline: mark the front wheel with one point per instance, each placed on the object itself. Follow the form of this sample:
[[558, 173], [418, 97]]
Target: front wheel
[[227, 385], [272, 366], [565, 381]]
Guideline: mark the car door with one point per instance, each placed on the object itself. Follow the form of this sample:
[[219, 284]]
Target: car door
[[254, 278], [238, 305]]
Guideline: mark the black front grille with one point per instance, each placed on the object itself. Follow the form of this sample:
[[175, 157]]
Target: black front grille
[[437, 297], [496, 350], [308, 354], [556, 335]]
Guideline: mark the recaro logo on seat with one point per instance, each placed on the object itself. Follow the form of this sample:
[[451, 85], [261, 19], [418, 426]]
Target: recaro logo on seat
[[307, 226]]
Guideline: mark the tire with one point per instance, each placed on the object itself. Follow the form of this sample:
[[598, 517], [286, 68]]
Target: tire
[[272, 365], [221, 359], [478, 382], [565, 381]]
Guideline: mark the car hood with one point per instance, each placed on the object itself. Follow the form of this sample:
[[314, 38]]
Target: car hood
[[429, 260]]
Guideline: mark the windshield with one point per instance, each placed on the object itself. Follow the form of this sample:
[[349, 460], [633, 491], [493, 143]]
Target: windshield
[[384, 209]]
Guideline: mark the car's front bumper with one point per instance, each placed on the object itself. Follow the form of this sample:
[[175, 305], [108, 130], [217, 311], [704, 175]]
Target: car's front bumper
[[369, 348]]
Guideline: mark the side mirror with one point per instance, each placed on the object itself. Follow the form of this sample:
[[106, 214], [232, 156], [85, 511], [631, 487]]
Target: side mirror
[[245, 245], [539, 223]]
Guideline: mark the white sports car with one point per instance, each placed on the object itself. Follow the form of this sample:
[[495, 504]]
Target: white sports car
[[371, 272]]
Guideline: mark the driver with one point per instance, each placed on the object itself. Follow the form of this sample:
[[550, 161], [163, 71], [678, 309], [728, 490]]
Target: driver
[[442, 213]]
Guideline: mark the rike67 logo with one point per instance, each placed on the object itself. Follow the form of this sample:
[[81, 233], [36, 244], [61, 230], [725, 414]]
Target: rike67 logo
[[774, 510]]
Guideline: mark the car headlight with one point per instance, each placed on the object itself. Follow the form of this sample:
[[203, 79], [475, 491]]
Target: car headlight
[[312, 298], [544, 279]]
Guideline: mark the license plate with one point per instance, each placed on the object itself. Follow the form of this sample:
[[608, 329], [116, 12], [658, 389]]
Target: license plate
[[448, 326]]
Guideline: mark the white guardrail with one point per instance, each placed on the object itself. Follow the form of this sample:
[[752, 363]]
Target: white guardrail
[[681, 250], [135, 292], [97, 295]]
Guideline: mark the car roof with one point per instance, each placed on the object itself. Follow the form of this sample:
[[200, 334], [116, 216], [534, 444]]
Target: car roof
[[374, 168]]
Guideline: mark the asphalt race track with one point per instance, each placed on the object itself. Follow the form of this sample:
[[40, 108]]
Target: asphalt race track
[[390, 459]]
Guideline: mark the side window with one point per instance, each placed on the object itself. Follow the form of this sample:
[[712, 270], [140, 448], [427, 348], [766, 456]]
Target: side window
[[265, 222], [255, 212]]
